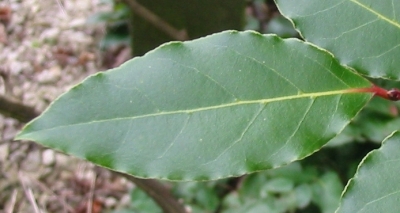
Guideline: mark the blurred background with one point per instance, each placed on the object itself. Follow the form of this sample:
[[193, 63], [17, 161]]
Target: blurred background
[[47, 46]]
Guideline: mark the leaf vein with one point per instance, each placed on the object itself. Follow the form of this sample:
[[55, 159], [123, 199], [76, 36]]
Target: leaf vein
[[232, 104], [262, 64], [245, 130], [354, 29], [324, 10], [327, 69], [203, 74], [392, 22], [176, 137], [378, 199], [294, 131]]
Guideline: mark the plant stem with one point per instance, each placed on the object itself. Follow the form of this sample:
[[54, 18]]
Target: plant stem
[[160, 194], [16, 110], [393, 94], [140, 10]]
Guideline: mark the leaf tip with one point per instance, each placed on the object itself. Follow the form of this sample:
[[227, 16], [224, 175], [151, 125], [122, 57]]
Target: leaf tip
[[20, 135]]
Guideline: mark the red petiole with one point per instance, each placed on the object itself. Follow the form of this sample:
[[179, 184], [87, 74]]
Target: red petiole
[[393, 94]]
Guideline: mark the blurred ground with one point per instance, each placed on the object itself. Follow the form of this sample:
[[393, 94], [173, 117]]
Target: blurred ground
[[46, 47]]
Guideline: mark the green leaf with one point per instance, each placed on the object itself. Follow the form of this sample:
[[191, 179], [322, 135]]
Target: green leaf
[[279, 185], [224, 105], [232, 204], [363, 34], [293, 171], [201, 194], [282, 27], [376, 185], [142, 203], [303, 195], [326, 192]]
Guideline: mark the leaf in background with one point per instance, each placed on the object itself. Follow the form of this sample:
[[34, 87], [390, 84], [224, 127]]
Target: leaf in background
[[303, 195], [255, 206], [363, 34], [278, 185], [142, 203], [192, 16], [200, 195], [376, 185], [224, 105], [376, 128], [282, 27], [326, 192]]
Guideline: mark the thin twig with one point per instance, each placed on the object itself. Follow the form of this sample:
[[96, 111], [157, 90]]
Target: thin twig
[[10, 208], [159, 23], [91, 193], [62, 8], [17, 110], [29, 193], [43, 187]]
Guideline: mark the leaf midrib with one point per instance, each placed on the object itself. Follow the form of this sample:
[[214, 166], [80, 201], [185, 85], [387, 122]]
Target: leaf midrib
[[188, 111]]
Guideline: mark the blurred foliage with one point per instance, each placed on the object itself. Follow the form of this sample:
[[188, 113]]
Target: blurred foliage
[[312, 185], [140, 203], [198, 18], [265, 18], [281, 26], [117, 32], [293, 188]]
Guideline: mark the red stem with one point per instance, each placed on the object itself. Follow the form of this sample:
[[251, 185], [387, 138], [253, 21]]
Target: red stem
[[393, 94]]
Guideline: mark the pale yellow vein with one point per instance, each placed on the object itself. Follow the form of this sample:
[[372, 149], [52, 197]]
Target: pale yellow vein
[[233, 104], [394, 23]]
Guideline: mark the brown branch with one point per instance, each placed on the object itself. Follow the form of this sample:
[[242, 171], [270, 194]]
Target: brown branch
[[159, 23], [17, 110], [157, 191]]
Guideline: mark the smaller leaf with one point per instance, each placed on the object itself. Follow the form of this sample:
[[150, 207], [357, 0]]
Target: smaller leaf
[[142, 203], [232, 200], [362, 34], [207, 198], [282, 27], [376, 185], [303, 195], [251, 186], [377, 129], [279, 185], [293, 171], [327, 192], [253, 206]]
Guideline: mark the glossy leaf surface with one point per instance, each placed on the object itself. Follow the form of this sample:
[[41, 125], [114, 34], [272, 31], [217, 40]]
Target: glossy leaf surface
[[376, 185], [224, 105], [363, 34]]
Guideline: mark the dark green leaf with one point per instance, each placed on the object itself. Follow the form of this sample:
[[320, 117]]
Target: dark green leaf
[[224, 105], [303, 194], [281, 26], [326, 192], [363, 34], [142, 203], [376, 185], [279, 185]]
